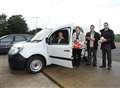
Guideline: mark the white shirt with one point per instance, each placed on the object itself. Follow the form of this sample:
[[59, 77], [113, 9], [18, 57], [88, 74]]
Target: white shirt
[[92, 36]]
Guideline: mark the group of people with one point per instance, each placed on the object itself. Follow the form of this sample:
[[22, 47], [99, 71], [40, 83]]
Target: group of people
[[92, 39]]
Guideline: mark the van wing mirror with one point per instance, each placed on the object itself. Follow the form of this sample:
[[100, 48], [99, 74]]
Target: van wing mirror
[[48, 40]]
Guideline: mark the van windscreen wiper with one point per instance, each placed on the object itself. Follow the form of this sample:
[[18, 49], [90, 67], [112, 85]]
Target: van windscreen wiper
[[36, 40]]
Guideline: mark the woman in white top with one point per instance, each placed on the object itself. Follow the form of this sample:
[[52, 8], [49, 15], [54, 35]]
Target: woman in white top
[[79, 37]]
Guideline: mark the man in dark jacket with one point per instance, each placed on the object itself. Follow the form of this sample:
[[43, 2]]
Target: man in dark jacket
[[107, 43], [60, 39], [92, 38]]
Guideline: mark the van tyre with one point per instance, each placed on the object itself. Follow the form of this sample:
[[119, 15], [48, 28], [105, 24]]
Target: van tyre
[[35, 64]]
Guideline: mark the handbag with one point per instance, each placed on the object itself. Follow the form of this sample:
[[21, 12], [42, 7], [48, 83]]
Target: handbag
[[76, 45]]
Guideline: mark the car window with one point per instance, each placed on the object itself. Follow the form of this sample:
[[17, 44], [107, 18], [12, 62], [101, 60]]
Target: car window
[[55, 37], [19, 38], [7, 40], [28, 37]]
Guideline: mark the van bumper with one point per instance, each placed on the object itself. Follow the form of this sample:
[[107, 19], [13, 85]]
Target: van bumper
[[17, 61]]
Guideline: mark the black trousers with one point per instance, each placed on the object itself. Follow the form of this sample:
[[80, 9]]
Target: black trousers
[[106, 53], [76, 56], [92, 52]]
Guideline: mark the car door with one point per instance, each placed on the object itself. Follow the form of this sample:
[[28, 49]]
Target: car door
[[61, 53], [6, 43]]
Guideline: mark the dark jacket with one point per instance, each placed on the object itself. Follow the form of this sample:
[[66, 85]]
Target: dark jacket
[[62, 41], [109, 35], [96, 36]]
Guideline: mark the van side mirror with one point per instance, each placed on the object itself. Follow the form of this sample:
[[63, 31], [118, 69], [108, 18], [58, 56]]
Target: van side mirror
[[47, 40]]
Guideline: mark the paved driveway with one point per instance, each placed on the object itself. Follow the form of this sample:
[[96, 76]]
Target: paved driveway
[[86, 76], [56, 76], [21, 79]]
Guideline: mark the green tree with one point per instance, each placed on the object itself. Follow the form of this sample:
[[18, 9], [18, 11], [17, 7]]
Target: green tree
[[3, 24], [17, 24], [117, 37]]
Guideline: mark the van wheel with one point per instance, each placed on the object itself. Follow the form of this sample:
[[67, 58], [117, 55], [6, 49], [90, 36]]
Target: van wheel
[[35, 64]]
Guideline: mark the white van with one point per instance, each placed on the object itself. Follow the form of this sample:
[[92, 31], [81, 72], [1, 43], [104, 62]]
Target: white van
[[42, 51]]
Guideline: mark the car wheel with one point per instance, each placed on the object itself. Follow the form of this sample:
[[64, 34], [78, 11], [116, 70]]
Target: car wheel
[[35, 64]]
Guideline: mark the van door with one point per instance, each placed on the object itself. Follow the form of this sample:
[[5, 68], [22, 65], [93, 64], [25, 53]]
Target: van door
[[60, 47]]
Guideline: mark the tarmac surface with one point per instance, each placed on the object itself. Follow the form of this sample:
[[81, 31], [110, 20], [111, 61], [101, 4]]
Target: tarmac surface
[[60, 77], [86, 76], [22, 79]]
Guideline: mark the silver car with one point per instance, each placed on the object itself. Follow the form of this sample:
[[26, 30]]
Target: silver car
[[8, 40]]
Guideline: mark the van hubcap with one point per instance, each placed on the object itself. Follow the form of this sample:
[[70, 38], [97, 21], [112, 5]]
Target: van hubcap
[[36, 65]]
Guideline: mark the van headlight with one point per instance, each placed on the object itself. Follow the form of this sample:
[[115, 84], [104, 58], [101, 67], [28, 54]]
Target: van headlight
[[15, 50]]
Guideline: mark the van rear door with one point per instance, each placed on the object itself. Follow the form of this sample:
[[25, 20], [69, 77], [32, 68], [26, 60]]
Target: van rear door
[[60, 53]]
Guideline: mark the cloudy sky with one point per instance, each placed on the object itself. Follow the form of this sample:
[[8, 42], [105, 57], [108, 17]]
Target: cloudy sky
[[52, 13]]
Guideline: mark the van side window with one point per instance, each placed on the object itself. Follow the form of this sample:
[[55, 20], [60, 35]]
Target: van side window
[[60, 37]]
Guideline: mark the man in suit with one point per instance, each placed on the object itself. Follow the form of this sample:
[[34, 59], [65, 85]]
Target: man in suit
[[92, 38], [107, 44]]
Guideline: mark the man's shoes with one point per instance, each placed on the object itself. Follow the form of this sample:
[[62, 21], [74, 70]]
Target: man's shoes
[[88, 64], [102, 66], [94, 65], [109, 68]]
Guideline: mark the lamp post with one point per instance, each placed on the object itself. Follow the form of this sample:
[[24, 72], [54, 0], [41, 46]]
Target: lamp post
[[36, 21], [100, 25]]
